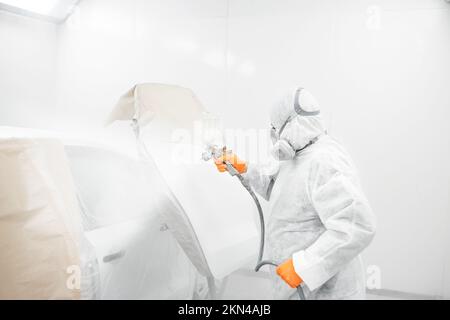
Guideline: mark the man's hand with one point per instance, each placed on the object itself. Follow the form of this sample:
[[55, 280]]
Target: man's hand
[[237, 163], [287, 272]]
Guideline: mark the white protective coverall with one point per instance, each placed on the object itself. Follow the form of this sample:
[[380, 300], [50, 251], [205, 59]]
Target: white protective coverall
[[319, 215]]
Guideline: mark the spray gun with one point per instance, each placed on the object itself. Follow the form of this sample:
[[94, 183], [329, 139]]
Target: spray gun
[[215, 152]]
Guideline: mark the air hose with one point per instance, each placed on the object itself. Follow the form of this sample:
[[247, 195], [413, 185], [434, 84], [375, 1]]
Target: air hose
[[260, 263]]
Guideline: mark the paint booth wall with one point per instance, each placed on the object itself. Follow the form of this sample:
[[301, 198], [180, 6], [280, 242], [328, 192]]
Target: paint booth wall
[[381, 72], [27, 70], [379, 69]]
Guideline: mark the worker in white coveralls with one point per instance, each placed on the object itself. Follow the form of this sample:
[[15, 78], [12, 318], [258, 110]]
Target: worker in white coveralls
[[320, 221]]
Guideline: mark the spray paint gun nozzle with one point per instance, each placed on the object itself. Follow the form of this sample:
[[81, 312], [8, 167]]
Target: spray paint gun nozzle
[[214, 152]]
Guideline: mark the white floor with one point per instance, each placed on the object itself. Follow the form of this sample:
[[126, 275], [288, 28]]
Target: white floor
[[247, 285]]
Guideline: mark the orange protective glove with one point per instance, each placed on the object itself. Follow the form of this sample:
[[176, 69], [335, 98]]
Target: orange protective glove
[[287, 272], [240, 165]]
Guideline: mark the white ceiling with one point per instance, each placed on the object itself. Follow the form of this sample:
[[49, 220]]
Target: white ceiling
[[51, 10]]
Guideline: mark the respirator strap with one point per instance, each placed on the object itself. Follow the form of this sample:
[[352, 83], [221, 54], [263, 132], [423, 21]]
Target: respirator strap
[[309, 144]]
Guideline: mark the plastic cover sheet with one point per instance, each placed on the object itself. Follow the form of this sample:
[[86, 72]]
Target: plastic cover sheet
[[218, 233], [40, 230], [124, 206]]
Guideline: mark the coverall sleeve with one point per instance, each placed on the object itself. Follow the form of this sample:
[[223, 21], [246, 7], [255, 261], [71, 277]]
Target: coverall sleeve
[[261, 181], [344, 211]]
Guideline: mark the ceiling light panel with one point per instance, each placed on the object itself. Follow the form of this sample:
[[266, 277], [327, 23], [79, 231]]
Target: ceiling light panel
[[53, 10]]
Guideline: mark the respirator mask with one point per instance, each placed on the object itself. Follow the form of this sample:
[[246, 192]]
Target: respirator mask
[[282, 149]]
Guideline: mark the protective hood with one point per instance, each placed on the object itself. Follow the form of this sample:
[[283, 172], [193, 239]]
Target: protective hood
[[301, 110]]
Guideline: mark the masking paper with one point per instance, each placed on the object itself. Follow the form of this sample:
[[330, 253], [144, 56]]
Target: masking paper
[[39, 256]]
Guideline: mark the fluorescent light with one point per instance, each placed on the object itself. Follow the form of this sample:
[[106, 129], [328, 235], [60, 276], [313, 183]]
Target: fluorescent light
[[44, 7], [51, 10]]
